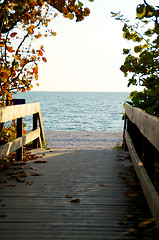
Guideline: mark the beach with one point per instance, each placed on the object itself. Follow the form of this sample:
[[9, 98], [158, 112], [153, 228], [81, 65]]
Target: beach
[[83, 140]]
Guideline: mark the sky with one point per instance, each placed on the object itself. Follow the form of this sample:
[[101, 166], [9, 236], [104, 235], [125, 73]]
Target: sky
[[87, 55]]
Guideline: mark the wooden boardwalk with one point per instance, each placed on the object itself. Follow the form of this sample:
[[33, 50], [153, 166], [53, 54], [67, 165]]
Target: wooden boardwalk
[[40, 208]]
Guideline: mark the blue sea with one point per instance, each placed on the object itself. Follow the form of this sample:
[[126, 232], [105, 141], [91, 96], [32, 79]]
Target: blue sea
[[79, 111]]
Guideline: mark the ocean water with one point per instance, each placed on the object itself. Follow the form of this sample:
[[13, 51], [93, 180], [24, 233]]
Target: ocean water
[[78, 111]]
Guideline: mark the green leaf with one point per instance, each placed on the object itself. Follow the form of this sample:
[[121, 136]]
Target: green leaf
[[71, 16], [141, 11], [16, 64], [80, 4], [126, 51], [137, 49], [149, 33]]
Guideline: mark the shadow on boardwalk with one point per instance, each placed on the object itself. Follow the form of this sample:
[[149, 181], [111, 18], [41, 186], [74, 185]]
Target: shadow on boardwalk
[[40, 209]]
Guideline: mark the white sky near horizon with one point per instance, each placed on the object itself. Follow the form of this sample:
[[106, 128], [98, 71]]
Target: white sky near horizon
[[86, 56]]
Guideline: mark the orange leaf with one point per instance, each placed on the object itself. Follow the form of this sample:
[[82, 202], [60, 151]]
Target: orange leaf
[[13, 34], [23, 90], [77, 200], [44, 59], [24, 132], [35, 70], [130, 194], [40, 53], [10, 49]]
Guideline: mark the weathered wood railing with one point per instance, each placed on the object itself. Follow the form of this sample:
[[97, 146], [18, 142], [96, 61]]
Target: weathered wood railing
[[18, 112], [141, 137]]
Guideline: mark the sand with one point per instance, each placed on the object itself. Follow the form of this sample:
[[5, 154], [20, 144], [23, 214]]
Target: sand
[[83, 140]]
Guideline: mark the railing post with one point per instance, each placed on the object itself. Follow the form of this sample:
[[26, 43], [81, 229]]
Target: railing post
[[125, 148], [19, 134], [35, 126], [1, 126]]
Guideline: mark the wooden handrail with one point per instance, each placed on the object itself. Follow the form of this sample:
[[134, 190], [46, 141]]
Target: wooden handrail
[[141, 137], [18, 112], [147, 124]]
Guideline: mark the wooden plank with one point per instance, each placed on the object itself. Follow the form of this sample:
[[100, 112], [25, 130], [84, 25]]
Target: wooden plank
[[35, 126], [19, 134], [40, 211], [18, 111], [150, 193], [19, 142], [41, 128], [147, 123]]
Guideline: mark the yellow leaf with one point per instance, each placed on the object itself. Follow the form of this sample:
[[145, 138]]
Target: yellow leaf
[[17, 57], [4, 79], [67, 196], [130, 194], [146, 223], [71, 16]]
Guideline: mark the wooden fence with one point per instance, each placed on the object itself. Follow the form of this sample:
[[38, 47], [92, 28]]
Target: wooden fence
[[141, 137], [18, 112]]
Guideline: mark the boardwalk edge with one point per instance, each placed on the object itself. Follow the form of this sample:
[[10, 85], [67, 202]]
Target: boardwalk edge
[[150, 193]]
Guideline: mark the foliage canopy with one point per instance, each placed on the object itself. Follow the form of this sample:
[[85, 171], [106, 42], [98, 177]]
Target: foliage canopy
[[142, 62], [22, 22]]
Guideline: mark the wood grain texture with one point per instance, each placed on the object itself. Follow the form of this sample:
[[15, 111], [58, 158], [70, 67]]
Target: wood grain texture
[[151, 195], [11, 147], [147, 123], [37, 209], [17, 111]]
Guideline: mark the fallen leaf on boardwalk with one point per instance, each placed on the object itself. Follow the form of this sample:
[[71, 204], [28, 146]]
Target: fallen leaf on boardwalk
[[77, 200], [147, 223], [40, 161], [3, 181], [22, 174], [34, 157], [11, 185], [35, 174], [67, 196], [131, 216], [133, 231], [104, 185], [3, 215], [131, 194], [29, 183], [123, 223]]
